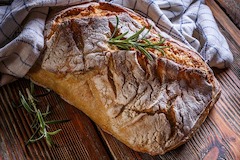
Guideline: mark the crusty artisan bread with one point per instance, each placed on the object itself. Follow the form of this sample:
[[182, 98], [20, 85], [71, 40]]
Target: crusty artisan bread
[[152, 106]]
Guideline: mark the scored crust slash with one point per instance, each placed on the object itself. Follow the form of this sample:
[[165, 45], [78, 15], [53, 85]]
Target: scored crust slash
[[152, 105]]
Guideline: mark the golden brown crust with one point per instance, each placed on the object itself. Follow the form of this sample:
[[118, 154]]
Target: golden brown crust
[[151, 106]]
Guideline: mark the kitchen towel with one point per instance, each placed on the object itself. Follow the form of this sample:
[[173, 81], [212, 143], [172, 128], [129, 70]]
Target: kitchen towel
[[22, 24]]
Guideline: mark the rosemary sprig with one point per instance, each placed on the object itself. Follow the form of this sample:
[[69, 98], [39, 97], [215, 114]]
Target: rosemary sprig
[[140, 44], [29, 103]]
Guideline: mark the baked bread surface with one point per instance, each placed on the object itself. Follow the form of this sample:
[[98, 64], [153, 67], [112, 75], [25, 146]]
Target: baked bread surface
[[151, 106]]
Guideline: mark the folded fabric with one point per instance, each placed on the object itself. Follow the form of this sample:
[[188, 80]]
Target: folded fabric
[[22, 24]]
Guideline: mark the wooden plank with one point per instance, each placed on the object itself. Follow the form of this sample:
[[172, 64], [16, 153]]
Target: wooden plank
[[78, 140], [232, 8], [224, 21], [118, 150]]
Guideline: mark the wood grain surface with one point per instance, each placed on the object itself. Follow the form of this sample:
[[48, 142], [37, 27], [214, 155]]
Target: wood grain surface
[[232, 9], [217, 138]]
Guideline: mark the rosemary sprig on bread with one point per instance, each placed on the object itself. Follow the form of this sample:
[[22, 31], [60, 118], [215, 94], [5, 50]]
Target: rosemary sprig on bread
[[134, 41]]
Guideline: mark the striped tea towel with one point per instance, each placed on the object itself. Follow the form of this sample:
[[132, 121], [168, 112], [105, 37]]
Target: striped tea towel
[[22, 24]]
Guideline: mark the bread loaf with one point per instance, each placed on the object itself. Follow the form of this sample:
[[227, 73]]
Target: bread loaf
[[151, 105]]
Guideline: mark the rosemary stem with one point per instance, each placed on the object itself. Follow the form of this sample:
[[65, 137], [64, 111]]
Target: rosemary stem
[[31, 99]]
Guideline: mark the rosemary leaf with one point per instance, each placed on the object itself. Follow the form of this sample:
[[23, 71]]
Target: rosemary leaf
[[54, 132], [115, 29], [34, 134], [125, 47], [146, 40], [49, 140], [47, 112], [147, 32], [145, 52], [135, 36], [40, 119], [34, 123], [37, 139], [57, 121], [31, 88], [121, 36], [24, 103]]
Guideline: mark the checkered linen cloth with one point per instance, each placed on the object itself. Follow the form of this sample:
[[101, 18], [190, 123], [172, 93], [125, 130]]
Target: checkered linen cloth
[[22, 24]]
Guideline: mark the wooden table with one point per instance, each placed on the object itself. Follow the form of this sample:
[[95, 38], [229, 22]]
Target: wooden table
[[218, 137]]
